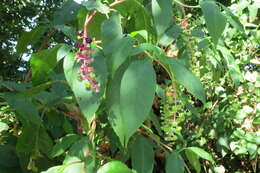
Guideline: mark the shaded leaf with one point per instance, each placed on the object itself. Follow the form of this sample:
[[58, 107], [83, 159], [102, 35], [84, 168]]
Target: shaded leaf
[[42, 63], [233, 68], [170, 34], [194, 160], [162, 15], [187, 79], [174, 163], [29, 38], [26, 111], [142, 155], [63, 144], [215, 20], [68, 31]]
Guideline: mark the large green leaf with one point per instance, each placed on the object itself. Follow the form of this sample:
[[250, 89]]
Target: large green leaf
[[201, 153], [174, 163], [233, 68], [187, 79], [142, 155], [63, 144], [42, 63], [116, 47], [215, 20], [162, 15], [170, 34], [114, 167], [194, 160], [133, 101], [29, 38], [88, 100]]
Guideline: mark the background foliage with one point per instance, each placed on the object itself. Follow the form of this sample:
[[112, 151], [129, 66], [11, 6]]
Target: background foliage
[[172, 87]]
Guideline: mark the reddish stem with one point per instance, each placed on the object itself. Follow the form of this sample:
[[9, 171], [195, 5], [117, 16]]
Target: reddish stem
[[89, 18]]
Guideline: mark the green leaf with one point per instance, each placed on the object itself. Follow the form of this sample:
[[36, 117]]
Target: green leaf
[[68, 31], [215, 20], [26, 111], [114, 167], [232, 19], [194, 160], [63, 51], [88, 100], [28, 140], [8, 156], [201, 153], [36, 89], [63, 144], [42, 63], [3, 127], [233, 68], [29, 38], [171, 34], [136, 93], [174, 163], [142, 155], [44, 142], [66, 13], [187, 79], [116, 47], [52, 170], [96, 5], [162, 15], [81, 150]]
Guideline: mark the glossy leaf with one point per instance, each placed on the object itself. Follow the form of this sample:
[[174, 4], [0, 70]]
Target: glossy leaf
[[63, 144], [162, 15], [215, 20], [174, 163], [88, 100], [233, 68], [114, 167], [194, 160], [142, 155], [187, 79], [201, 153], [42, 63], [137, 90]]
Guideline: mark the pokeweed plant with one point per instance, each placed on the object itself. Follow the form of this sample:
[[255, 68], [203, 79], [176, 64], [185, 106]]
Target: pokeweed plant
[[92, 107]]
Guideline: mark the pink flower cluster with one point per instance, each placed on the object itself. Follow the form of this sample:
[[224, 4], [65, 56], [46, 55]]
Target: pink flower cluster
[[86, 71]]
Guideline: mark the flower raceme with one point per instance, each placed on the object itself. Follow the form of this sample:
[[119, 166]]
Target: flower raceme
[[86, 71]]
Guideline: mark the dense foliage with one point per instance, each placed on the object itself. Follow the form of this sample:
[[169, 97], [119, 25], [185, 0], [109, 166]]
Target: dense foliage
[[129, 86]]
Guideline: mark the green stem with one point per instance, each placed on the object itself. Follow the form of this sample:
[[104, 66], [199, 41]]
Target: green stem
[[184, 5]]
